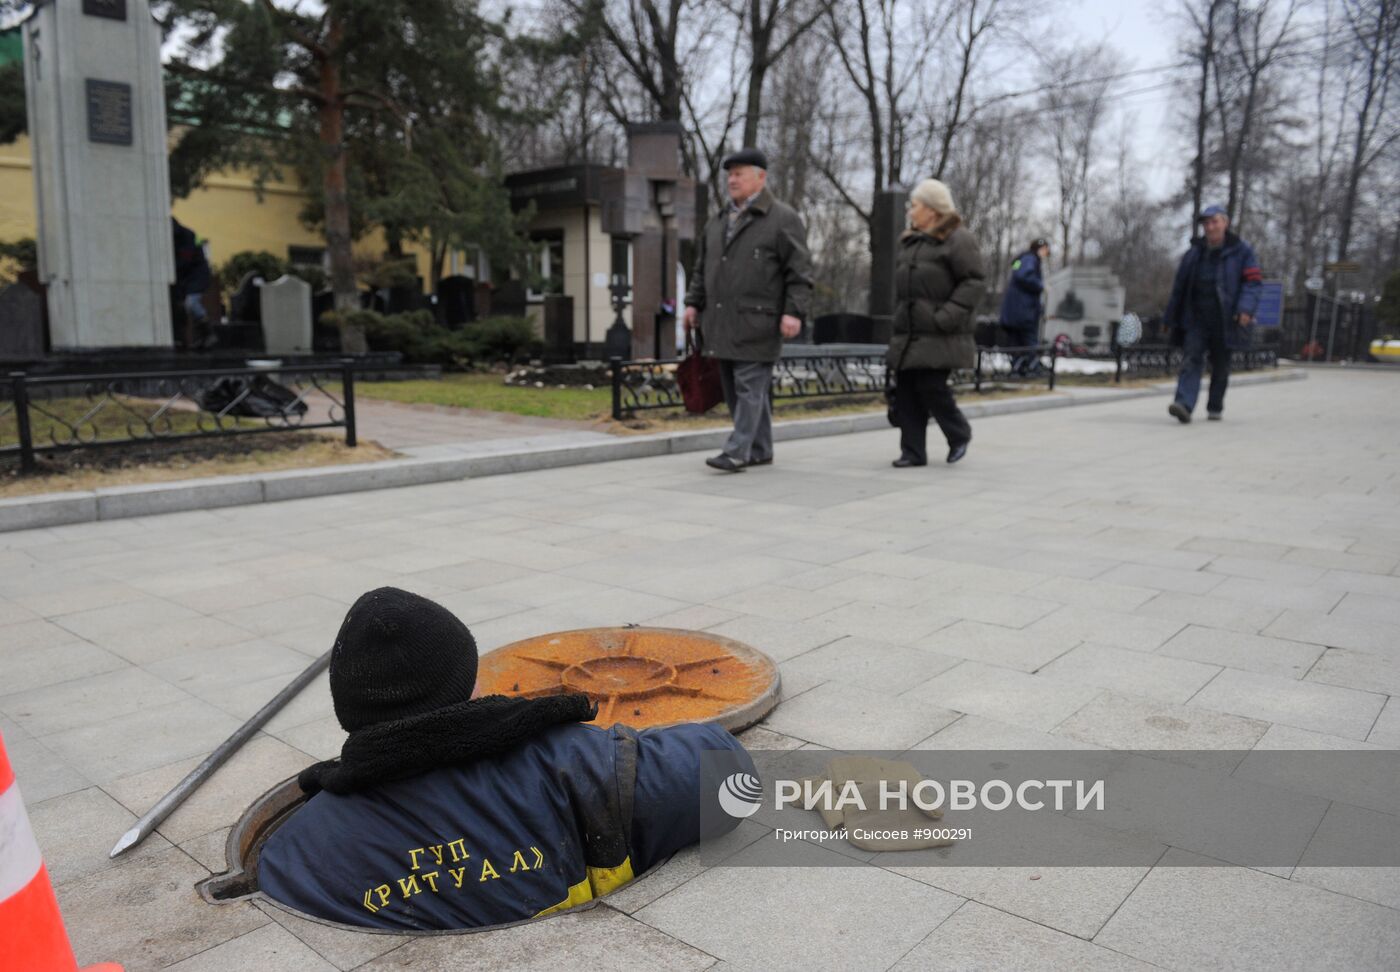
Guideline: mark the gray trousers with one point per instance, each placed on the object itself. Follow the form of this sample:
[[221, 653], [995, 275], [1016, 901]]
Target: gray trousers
[[746, 385]]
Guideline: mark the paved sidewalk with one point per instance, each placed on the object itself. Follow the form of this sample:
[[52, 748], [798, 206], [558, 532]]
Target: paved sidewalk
[[1090, 576]]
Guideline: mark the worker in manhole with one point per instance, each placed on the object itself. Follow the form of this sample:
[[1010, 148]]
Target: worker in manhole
[[446, 810]]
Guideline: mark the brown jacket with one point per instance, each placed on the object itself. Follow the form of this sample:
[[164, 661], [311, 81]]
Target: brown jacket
[[939, 281], [742, 290]]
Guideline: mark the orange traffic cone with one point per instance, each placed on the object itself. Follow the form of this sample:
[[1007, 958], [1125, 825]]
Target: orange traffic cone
[[32, 938]]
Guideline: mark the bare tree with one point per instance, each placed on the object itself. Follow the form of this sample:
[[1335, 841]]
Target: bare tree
[[1202, 47], [773, 27], [1073, 109], [1374, 32]]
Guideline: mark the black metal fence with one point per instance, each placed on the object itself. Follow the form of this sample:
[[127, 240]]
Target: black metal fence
[[62, 413], [639, 386]]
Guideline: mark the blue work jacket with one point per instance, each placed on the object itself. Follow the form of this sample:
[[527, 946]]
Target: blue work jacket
[[564, 818], [1237, 288]]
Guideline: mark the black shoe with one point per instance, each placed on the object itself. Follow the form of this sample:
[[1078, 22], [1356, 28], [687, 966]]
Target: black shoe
[[724, 463], [904, 462], [957, 452], [1180, 411], [1214, 416], [760, 462]]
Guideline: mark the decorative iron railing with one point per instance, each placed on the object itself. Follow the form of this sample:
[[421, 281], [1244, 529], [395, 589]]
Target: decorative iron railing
[[61, 413], [639, 386]]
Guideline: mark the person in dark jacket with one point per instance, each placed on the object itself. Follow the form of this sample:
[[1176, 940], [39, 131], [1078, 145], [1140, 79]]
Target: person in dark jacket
[[939, 280], [749, 289], [1211, 309], [192, 278], [446, 810], [1021, 304]]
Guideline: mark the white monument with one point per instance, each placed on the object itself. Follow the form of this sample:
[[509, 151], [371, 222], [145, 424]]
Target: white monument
[[96, 109], [286, 316], [1083, 302]]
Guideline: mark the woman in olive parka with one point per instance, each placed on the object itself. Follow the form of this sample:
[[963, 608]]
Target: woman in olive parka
[[939, 281]]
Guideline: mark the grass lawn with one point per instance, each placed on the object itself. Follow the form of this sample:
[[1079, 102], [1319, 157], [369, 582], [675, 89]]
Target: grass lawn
[[487, 393]]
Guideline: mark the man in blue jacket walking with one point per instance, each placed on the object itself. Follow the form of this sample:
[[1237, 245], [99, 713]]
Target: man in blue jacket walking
[[449, 811], [1211, 309]]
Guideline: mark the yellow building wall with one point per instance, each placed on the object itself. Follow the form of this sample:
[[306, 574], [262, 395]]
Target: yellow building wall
[[578, 282], [226, 211]]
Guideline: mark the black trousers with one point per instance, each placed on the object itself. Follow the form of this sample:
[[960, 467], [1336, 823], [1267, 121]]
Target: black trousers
[[919, 393]]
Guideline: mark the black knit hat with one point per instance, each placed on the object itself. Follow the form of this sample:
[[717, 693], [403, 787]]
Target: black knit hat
[[399, 655]]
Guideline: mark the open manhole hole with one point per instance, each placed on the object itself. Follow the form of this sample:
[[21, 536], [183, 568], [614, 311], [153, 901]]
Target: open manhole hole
[[641, 677]]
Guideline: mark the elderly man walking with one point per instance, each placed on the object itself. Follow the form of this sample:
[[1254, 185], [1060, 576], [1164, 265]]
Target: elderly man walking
[[749, 289], [1212, 306]]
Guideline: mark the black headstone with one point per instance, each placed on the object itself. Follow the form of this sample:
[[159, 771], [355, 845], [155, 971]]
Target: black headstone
[[558, 328], [508, 300], [245, 306], [456, 300], [21, 322], [843, 329]]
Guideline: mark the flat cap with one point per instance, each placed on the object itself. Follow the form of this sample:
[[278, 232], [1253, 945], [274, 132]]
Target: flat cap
[[746, 156]]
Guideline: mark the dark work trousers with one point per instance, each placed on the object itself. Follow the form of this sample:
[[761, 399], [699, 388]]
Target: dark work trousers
[[1200, 341], [918, 393], [746, 392], [1023, 336]]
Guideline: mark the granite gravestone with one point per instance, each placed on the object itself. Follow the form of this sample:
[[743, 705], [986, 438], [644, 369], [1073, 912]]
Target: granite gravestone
[[1084, 303], [21, 322], [456, 300], [286, 316], [96, 110]]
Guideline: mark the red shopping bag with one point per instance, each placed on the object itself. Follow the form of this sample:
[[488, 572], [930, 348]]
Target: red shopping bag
[[698, 378]]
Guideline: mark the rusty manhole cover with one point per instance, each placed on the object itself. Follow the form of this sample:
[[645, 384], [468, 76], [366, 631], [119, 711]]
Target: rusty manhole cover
[[641, 677]]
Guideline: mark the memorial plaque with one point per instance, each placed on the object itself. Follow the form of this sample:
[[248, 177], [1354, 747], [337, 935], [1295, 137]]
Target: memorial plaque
[[109, 112], [111, 9]]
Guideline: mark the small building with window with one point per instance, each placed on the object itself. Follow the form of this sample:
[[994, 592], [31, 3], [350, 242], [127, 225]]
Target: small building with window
[[596, 225]]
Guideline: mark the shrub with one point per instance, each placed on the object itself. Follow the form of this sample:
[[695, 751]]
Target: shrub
[[269, 266], [421, 340], [17, 257]]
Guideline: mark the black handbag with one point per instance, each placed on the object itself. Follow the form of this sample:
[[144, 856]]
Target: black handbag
[[891, 380]]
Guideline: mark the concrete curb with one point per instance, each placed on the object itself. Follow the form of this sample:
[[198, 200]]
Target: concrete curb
[[119, 502]]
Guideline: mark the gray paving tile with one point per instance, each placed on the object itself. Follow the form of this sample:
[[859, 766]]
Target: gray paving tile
[[28, 667], [850, 718], [900, 626], [1342, 561], [1276, 595], [1231, 649], [1005, 695], [1209, 611], [1131, 672], [1116, 722], [149, 737], [1306, 705], [270, 948], [40, 772], [1378, 637], [294, 612], [1162, 578], [977, 938], [978, 732], [1230, 917], [98, 624], [1358, 670], [259, 765], [86, 701], [342, 948], [1024, 649], [872, 665], [1373, 607], [1134, 631], [76, 832], [1386, 731], [861, 916], [1092, 594], [164, 923], [597, 938], [1009, 610]]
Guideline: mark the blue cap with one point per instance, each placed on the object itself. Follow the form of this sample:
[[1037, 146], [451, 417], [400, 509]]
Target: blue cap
[[1210, 211]]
